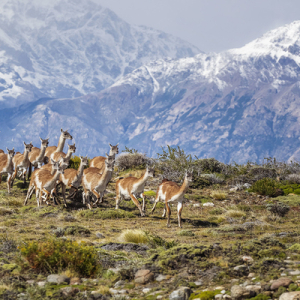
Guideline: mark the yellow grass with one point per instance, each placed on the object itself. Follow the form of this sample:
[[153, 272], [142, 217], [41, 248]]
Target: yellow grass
[[219, 195], [136, 236]]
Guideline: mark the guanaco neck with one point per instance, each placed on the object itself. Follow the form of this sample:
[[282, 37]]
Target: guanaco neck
[[111, 153], [25, 155], [69, 154], [61, 143], [55, 177], [80, 171], [143, 179], [184, 186], [42, 153], [106, 176], [9, 161]]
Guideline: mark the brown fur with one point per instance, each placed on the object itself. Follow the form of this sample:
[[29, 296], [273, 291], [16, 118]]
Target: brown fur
[[132, 186], [6, 166], [99, 161], [63, 136], [170, 191], [92, 180], [1, 151]]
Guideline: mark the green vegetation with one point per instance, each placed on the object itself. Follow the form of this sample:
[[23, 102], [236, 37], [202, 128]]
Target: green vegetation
[[265, 187], [56, 255]]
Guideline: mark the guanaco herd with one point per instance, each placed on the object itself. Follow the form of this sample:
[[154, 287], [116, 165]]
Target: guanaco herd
[[50, 164]]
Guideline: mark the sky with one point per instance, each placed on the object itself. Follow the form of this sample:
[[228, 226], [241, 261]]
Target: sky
[[211, 25]]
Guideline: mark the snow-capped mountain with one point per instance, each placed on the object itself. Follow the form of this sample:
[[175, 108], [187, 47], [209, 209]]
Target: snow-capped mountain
[[238, 105], [72, 48]]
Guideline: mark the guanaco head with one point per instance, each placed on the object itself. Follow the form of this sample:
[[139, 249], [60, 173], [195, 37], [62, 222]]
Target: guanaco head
[[72, 148], [66, 135], [114, 149], [60, 170], [110, 158], [55, 164], [189, 176], [11, 153], [84, 161], [64, 162], [151, 172], [28, 147], [45, 142], [109, 166]]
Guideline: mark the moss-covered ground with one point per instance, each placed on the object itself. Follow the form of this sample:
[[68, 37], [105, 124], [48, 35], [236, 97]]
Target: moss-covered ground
[[211, 242]]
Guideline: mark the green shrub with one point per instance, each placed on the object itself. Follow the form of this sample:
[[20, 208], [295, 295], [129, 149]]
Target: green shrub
[[150, 193], [105, 214], [186, 233], [265, 187], [72, 230], [295, 247], [278, 208], [216, 211], [74, 162], [136, 236], [293, 287], [128, 160], [207, 295], [56, 255], [260, 297]]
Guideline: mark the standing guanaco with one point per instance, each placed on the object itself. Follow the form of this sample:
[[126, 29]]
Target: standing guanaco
[[130, 187], [6, 166], [171, 192]]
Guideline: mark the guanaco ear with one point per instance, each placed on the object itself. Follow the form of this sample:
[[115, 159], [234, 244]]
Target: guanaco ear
[[12, 149], [24, 143], [117, 144], [7, 149], [52, 161], [110, 145], [41, 139], [61, 130], [106, 155], [31, 143]]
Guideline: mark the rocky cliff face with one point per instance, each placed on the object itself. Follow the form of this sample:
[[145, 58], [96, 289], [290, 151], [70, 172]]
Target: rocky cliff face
[[72, 48], [238, 105]]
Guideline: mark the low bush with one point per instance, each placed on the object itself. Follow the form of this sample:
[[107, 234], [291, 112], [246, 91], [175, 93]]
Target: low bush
[[293, 178], [186, 233], [72, 230], [233, 213], [295, 247], [127, 161], [206, 295], [219, 195], [56, 255], [136, 236], [278, 208], [266, 187]]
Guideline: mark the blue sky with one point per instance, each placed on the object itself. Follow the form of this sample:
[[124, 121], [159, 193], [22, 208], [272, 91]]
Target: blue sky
[[211, 25]]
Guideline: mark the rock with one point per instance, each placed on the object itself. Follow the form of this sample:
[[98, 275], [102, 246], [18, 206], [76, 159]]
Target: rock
[[159, 297], [254, 288], [241, 269], [266, 287], [143, 276], [247, 259], [290, 296], [219, 288], [146, 290], [41, 283], [182, 293], [208, 204], [69, 291], [240, 292], [128, 247], [199, 282], [218, 296], [98, 296], [31, 282], [223, 292], [251, 275], [58, 279], [161, 277], [293, 273], [119, 283], [197, 205], [228, 297], [100, 235], [75, 281], [285, 281]]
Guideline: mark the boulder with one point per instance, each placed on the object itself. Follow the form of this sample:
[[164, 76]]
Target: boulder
[[240, 292], [182, 293], [161, 277], [290, 296], [69, 291], [58, 279], [285, 281], [143, 276]]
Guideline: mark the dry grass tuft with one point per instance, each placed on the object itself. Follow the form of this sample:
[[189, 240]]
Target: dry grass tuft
[[136, 236], [233, 213], [219, 195]]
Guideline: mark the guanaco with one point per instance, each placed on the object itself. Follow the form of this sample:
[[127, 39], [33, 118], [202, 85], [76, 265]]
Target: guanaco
[[6, 166], [95, 183], [21, 162], [72, 177], [130, 187], [169, 191], [98, 161]]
